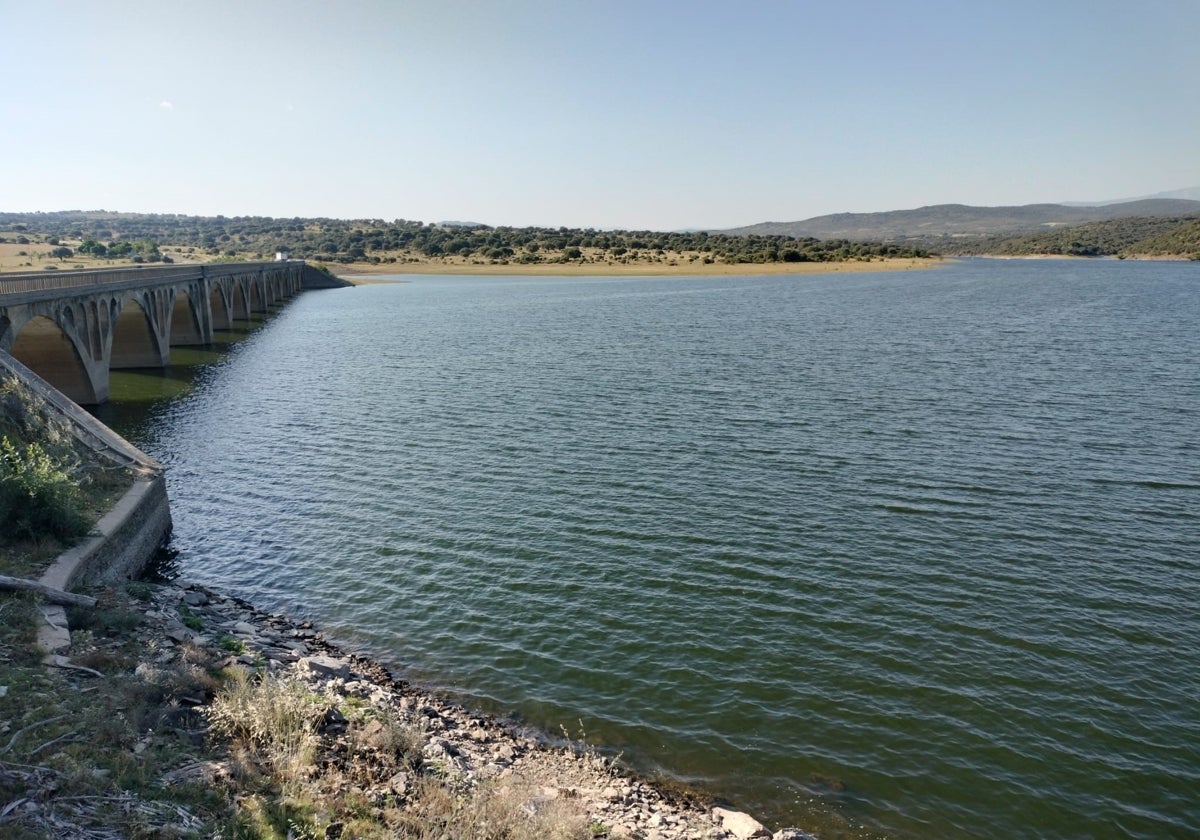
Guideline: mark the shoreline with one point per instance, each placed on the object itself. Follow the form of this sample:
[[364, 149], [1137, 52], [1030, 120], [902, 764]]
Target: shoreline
[[477, 748], [352, 271]]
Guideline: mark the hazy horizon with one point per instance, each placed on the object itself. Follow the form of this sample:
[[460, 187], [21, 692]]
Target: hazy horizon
[[626, 115]]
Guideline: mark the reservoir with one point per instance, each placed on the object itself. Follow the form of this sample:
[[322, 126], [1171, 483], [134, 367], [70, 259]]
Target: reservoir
[[904, 555]]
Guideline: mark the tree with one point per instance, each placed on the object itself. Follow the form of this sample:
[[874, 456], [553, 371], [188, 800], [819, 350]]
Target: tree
[[91, 246], [62, 253]]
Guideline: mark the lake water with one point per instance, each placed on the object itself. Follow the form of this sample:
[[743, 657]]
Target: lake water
[[906, 555]]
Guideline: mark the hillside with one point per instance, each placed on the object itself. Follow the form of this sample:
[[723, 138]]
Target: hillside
[[1183, 239], [951, 220], [1127, 237]]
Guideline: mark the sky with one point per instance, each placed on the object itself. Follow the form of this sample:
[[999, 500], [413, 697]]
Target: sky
[[633, 114]]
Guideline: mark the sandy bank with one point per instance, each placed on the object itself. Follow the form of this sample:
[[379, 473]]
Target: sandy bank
[[354, 271]]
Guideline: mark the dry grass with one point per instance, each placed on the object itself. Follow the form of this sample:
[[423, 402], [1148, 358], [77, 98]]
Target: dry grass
[[274, 720], [315, 765], [34, 256], [494, 811], [82, 752]]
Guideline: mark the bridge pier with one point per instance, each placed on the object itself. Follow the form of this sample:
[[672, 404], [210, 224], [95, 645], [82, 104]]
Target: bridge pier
[[141, 336]]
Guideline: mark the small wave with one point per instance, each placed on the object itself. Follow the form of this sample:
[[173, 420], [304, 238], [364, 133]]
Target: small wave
[[1149, 484]]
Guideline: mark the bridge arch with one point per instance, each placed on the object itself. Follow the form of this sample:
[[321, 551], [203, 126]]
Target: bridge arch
[[186, 325], [136, 340], [258, 301], [54, 354], [219, 306], [239, 300]]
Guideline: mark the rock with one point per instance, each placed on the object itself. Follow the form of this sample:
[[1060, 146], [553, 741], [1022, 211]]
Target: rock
[[742, 826], [195, 599], [440, 747], [179, 633], [245, 628], [325, 666], [792, 834]]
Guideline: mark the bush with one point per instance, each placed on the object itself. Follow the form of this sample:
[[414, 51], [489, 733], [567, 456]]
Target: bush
[[37, 495]]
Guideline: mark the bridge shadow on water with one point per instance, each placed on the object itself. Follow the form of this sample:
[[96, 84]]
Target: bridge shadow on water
[[139, 394]]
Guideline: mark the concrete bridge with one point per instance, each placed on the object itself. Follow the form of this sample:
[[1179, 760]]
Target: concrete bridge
[[72, 327]]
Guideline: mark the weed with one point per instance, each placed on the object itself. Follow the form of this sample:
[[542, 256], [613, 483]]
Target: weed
[[232, 644], [139, 591], [190, 619]]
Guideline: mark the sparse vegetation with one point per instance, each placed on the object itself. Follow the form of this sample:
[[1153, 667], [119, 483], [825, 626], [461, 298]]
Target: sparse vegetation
[[88, 747], [105, 237], [37, 494], [52, 488]]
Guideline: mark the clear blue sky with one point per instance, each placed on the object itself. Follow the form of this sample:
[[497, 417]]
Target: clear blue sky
[[608, 113]]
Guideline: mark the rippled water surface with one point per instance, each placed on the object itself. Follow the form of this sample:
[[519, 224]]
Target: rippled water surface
[[913, 555]]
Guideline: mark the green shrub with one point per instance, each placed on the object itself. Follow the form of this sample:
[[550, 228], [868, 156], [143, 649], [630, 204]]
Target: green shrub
[[37, 495]]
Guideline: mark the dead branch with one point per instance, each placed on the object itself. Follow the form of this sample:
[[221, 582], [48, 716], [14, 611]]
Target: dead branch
[[54, 596], [25, 729]]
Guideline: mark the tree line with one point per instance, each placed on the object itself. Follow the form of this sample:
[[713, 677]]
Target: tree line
[[104, 233]]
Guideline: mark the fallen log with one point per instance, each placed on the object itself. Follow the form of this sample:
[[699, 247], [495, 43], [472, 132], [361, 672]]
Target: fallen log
[[54, 596]]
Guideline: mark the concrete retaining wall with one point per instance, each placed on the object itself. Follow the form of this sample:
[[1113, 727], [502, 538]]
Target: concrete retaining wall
[[121, 543], [86, 428]]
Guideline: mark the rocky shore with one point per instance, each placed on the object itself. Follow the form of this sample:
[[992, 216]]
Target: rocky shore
[[183, 621]]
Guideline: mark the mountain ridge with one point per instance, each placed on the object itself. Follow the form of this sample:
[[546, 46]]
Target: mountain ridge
[[1189, 193], [942, 220]]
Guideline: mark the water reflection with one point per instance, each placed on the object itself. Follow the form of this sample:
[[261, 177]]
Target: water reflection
[[137, 395]]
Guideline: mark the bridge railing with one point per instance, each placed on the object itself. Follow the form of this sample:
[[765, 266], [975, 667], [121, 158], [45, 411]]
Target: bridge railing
[[73, 279]]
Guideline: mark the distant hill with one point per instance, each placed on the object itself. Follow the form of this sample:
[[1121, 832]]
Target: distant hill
[[1131, 236], [1191, 193], [928, 224]]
